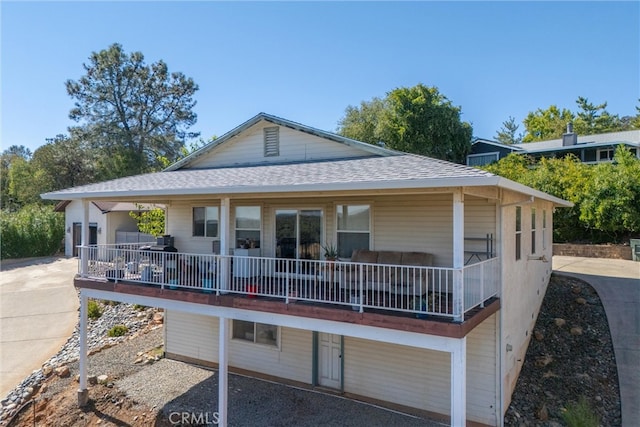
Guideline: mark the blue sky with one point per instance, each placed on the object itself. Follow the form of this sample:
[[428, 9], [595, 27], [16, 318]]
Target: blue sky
[[308, 61]]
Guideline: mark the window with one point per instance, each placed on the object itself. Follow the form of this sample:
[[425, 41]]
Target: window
[[205, 221], [248, 227], [606, 154], [258, 333], [544, 229], [518, 232], [271, 141], [533, 230], [353, 228], [482, 159]]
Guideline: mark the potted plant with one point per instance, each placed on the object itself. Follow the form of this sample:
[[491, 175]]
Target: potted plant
[[330, 252]]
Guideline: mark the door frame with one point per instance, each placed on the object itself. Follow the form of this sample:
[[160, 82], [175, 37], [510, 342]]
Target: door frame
[[315, 375], [76, 236]]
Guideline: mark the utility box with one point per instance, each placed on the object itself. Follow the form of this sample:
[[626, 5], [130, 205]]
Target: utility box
[[635, 249]]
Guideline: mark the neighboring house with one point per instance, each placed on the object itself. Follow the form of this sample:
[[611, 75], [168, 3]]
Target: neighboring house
[[429, 309], [588, 148], [109, 223]]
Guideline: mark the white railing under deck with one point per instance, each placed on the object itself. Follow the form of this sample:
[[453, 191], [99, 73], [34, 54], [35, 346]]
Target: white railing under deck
[[416, 290]]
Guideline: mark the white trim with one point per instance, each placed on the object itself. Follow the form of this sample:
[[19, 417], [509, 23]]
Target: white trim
[[374, 333], [458, 255], [427, 183], [84, 309]]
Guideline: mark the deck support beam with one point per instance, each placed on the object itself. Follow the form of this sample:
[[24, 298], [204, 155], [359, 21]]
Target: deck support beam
[[459, 383], [223, 371], [83, 393]]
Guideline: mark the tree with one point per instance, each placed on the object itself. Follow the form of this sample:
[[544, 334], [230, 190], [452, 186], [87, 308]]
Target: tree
[[10, 155], [507, 134], [594, 119], [417, 120], [149, 221], [132, 112], [65, 162], [542, 125]]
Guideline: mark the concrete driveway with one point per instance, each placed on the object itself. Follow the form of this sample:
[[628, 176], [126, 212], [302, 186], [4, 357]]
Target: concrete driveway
[[38, 312], [617, 283]]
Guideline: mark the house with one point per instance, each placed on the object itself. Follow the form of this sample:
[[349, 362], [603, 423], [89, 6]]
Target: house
[[109, 223], [589, 148], [429, 307]]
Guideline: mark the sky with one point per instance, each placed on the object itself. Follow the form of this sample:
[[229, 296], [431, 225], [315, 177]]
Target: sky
[[309, 61]]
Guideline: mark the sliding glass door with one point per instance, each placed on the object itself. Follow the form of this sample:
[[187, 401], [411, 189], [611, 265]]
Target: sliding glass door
[[298, 234]]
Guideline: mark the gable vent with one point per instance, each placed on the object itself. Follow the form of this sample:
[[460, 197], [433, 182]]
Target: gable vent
[[271, 142]]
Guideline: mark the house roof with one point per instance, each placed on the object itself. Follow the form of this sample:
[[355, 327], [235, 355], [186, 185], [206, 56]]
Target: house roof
[[512, 147], [106, 207], [631, 137], [371, 173], [373, 149]]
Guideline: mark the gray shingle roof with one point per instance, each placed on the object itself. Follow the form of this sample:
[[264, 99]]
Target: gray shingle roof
[[337, 174]]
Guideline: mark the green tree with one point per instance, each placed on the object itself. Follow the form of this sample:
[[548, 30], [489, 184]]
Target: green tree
[[542, 125], [13, 153], [132, 112], [64, 162], [149, 221], [508, 133], [611, 201], [417, 119], [594, 119]]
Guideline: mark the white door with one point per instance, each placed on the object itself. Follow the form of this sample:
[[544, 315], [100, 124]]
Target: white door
[[330, 360]]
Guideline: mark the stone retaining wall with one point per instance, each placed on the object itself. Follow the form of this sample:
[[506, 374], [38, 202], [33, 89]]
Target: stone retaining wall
[[593, 251]]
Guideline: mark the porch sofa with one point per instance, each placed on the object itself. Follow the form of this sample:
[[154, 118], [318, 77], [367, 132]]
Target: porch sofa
[[388, 271]]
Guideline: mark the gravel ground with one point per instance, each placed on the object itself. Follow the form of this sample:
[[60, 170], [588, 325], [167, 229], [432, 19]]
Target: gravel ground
[[182, 388]]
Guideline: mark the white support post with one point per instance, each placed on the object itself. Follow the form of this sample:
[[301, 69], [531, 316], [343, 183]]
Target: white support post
[[224, 243], [458, 255], [223, 372], [83, 393], [459, 384], [84, 241]]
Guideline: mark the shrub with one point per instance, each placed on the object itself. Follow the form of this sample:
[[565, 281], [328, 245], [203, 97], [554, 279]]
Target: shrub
[[580, 414], [94, 311], [118, 331], [32, 231]]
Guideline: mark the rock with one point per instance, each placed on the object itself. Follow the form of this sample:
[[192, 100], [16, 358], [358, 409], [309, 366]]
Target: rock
[[63, 371], [598, 399], [543, 360], [581, 301], [538, 335], [92, 379], [138, 360], [576, 290], [576, 330], [10, 406], [47, 370], [559, 322], [158, 318], [102, 379], [542, 414], [44, 388]]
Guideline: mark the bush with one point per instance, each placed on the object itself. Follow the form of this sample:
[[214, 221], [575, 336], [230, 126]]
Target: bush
[[580, 415], [94, 311], [32, 231], [118, 331]]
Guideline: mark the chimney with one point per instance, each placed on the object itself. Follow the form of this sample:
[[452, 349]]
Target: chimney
[[569, 138]]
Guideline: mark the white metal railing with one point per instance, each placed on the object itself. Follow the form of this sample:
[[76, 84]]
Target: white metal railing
[[418, 290], [481, 282]]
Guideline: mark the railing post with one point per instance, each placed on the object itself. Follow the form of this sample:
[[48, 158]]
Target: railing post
[[361, 288], [482, 281], [286, 282]]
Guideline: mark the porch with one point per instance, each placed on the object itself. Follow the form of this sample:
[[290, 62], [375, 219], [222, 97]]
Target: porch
[[402, 290]]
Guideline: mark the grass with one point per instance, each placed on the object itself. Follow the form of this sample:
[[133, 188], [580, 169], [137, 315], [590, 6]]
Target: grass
[[580, 414], [94, 311], [117, 331]]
